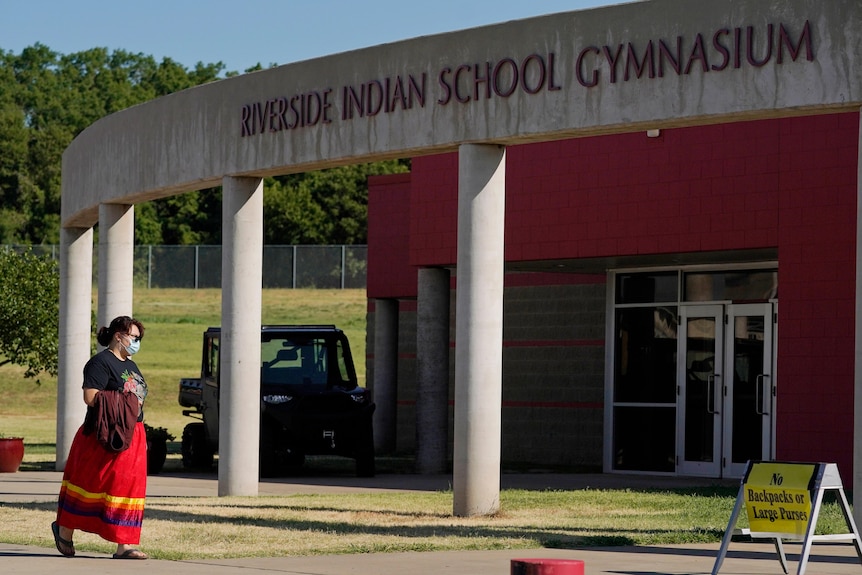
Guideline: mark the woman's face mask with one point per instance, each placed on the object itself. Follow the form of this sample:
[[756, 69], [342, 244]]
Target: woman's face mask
[[134, 345]]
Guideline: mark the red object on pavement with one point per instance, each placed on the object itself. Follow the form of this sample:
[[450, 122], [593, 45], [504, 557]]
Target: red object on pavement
[[547, 567]]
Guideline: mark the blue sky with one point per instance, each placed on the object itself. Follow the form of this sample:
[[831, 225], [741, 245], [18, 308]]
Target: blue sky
[[241, 33]]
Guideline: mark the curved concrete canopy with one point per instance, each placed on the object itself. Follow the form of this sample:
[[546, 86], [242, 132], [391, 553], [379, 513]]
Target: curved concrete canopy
[[627, 67]]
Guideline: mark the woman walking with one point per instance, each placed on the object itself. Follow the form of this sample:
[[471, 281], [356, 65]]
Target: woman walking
[[105, 479]]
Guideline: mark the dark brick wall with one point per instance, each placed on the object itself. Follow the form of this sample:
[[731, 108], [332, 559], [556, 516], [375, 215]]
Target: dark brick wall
[[553, 373]]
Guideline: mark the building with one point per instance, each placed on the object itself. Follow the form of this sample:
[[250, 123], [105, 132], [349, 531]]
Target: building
[[642, 329], [624, 72]]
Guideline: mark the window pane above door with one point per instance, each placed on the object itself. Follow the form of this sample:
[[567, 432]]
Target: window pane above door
[[736, 285], [647, 287]]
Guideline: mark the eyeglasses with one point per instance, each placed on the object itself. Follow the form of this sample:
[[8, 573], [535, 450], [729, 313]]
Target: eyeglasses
[[135, 339]]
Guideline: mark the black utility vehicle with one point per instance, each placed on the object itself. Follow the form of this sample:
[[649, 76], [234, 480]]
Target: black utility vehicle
[[310, 401]]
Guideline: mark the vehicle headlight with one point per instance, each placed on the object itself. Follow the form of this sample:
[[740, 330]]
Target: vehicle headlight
[[276, 399]]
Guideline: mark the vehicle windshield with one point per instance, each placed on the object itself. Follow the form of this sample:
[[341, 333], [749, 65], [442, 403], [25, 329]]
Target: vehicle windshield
[[304, 361]]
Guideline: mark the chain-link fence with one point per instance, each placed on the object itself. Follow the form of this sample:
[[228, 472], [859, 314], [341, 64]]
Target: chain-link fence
[[321, 267]]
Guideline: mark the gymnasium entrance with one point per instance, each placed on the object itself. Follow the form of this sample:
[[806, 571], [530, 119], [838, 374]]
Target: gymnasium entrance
[[694, 382]]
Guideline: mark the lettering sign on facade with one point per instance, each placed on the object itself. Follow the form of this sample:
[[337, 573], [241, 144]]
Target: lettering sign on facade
[[724, 49]]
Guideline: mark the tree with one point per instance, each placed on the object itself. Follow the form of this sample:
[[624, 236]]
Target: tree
[[13, 160], [29, 311], [323, 207], [47, 99]]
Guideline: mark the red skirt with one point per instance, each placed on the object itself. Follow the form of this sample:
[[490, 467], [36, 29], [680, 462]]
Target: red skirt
[[104, 492]]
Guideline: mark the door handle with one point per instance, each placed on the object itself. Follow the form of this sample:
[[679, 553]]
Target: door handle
[[758, 395], [710, 394]]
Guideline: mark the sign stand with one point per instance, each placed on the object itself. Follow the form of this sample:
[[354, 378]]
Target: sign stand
[[762, 497]]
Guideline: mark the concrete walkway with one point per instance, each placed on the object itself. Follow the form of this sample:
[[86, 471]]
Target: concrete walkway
[[743, 558]]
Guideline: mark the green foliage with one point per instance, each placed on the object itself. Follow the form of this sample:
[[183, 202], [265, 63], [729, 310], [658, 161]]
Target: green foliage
[[29, 311], [323, 207], [191, 218], [47, 99]]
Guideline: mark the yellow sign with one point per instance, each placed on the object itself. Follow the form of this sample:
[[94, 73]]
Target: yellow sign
[[777, 499]]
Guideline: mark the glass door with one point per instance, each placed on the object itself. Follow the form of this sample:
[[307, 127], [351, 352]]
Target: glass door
[[691, 385], [725, 388], [749, 398], [699, 390]]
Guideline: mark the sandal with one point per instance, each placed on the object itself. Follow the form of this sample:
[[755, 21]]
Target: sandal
[[131, 554], [64, 546]]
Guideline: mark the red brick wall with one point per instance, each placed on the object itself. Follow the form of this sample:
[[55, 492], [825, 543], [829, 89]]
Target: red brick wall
[[694, 189], [434, 210], [816, 279], [788, 184], [688, 190], [389, 274]]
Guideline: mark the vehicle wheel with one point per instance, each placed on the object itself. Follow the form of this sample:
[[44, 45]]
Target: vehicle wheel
[[293, 458], [365, 465], [277, 462], [269, 466], [197, 453]]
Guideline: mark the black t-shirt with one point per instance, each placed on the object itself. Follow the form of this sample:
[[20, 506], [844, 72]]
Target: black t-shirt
[[105, 371]]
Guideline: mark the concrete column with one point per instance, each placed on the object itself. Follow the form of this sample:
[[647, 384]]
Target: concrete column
[[432, 367], [76, 306], [385, 374], [242, 265], [479, 329], [857, 369], [116, 262]]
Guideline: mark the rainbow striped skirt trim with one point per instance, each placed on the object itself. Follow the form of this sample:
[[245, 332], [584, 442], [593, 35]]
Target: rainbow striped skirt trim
[[104, 492]]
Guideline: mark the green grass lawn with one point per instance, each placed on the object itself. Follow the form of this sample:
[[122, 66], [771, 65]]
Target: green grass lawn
[[175, 320], [316, 524], [192, 528]]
